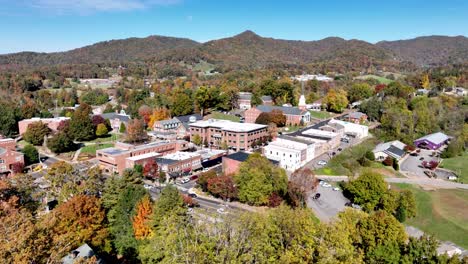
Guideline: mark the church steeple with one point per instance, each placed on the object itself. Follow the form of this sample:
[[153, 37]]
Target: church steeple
[[302, 101]]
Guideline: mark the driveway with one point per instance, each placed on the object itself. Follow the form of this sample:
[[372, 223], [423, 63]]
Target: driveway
[[328, 205], [413, 165]]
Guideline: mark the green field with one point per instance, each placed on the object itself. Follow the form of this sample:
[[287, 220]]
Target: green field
[[441, 213], [91, 149], [378, 78], [107, 138], [459, 165], [219, 115], [320, 114]]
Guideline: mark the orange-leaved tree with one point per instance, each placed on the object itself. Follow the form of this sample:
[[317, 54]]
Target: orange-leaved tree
[[141, 221]]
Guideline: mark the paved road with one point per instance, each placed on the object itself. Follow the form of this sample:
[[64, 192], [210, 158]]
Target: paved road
[[436, 183]]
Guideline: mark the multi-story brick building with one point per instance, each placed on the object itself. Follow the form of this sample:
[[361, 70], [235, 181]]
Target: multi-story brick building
[[294, 115], [237, 136], [52, 123], [124, 156], [9, 155]]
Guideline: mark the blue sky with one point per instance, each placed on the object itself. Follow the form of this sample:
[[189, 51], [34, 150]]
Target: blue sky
[[58, 25]]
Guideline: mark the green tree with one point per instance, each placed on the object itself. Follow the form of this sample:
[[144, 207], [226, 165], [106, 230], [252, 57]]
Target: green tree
[[197, 140], [359, 91], [122, 128], [61, 142], [81, 124], [101, 130], [367, 190], [120, 219], [36, 132], [258, 179], [206, 97], [31, 155], [8, 119]]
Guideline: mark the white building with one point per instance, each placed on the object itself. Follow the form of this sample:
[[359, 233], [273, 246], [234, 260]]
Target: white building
[[352, 129], [308, 77], [291, 153], [394, 149]]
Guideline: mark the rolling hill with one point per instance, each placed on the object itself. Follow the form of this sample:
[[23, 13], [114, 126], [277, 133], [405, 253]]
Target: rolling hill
[[249, 50]]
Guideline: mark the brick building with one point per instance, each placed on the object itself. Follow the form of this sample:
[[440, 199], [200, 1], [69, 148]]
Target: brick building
[[238, 136], [232, 162], [179, 163], [294, 115], [124, 156], [9, 155], [52, 123]]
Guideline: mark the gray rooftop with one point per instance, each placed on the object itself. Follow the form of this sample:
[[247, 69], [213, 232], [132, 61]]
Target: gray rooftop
[[122, 118], [356, 115], [286, 110], [245, 96]]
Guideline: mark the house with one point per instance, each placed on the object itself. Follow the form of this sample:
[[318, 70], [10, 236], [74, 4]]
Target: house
[[309, 77], [116, 119], [237, 136], [9, 156], [245, 100], [179, 163], [432, 141], [352, 129], [314, 107], [291, 153], [124, 156], [52, 123], [356, 117], [80, 254], [232, 162], [394, 149], [294, 115]]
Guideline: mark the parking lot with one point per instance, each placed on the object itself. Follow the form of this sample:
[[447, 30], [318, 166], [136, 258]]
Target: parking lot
[[412, 164], [329, 204]]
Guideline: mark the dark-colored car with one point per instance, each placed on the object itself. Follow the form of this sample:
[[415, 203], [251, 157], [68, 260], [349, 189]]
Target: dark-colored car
[[340, 149], [194, 177], [421, 158], [192, 195], [414, 154]]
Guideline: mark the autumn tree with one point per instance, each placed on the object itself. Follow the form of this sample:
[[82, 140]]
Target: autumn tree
[[141, 221], [36, 132], [275, 116], [197, 140], [157, 115], [145, 113], [301, 184], [136, 131], [204, 178], [336, 100], [222, 187], [80, 220], [151, 169]]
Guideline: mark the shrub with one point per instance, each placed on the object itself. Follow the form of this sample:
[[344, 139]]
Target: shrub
[[388, 161], [369, 155]]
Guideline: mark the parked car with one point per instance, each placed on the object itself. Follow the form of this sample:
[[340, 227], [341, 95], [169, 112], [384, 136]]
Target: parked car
[[194, 177], [326, 185], [421, 158], [184, 180], [414, 154], [316, 196], [340, 149], [322, 163], [147, 186], [336, 189], [221, 211], [193, 195]]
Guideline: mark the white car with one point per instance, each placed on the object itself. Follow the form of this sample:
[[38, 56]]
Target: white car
[[184, 180], [326, 185], [322, 163], [147, 186], [336, 189]]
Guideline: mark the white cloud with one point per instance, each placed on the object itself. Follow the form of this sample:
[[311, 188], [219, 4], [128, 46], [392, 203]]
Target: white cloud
[[86, 6]]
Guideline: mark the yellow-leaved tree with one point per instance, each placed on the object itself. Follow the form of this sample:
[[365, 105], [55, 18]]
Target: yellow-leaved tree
[[141, 224]]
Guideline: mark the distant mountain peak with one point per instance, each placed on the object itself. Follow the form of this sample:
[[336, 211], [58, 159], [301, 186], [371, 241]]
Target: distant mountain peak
[[247, 34]]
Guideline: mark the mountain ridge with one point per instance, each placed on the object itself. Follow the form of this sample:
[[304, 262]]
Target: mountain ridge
[[248, 49]]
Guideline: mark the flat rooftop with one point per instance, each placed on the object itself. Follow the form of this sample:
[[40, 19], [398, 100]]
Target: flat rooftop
[[228, 125], [319, 133], [181, 155], [144, 156]]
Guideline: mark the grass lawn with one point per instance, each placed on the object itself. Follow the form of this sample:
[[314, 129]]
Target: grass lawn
[[340, 164], [378, 78], [441, 213], [91, 149], [320, 114], [109, 137], [219, 115], [459, 165]]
